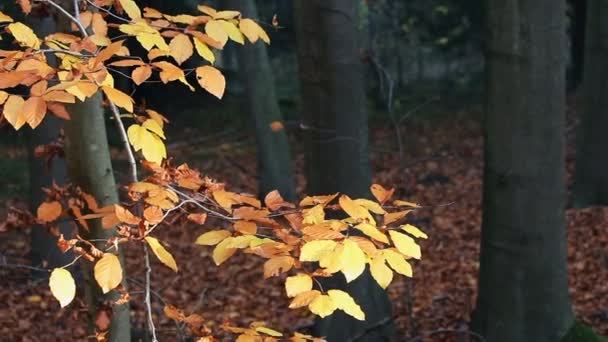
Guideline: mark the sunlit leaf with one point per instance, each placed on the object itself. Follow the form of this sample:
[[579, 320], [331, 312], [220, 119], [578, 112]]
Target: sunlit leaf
[[371, 231], [203, 50], [381, 194], [405, 244], [353, 261], [161, 253], [13, 111], [222, 252], [24, 35], [131, 8], [181, 48], [304, 298], [380, 272], [277, 265], [62, 286], [322, 306], [346, 303], [268, 331], [414, 231], [297, 284], [398, 263], [212, 238], [108, 272], [216, 31], [5, 18], [119, 98], [212, 80], [141, 74], [233, 32], [314, 250]]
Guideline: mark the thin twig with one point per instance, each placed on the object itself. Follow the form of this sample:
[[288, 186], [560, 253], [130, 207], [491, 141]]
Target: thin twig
[[63, 11]]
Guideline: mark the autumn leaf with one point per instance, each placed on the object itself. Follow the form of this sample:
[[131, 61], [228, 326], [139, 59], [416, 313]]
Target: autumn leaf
[[24, 35], [161, 253], [5, 18], [346, 303], [34, 110], [274, 201], [203, 50], [400, 203], [314, 215], [380, 272], [371, 231], [131, 8], [212, 80], [277, 265], [119, 98], [181, 48], [62, 286], [253, 31], [355, 210], [212, 238], [125, 216], [314, 250], [371, 206], [108, 272], [268, 331], [414, 231], [222, 252], [216, 31], [297, 284], [381, 194], [13, 111], [405, 244], [304, 298], [394, 217], [398, 263], [245, 227], [353, 261], [153, 214], [141, 74], [49, 211], [233, 32], [322, 306], [198, 218], [150, 144]]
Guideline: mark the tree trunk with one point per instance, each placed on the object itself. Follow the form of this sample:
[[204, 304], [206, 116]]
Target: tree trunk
[[44, 250], [523, 287], [90, 168], [591, 174], [337, 156], [577, 41], [275, 166]]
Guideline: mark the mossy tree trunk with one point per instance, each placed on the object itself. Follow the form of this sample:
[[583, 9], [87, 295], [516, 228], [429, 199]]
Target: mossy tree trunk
[[275, 166], [523, 286], [591, 173], [337, 156]]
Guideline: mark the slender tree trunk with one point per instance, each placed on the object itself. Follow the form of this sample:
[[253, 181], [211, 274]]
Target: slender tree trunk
[[44, 245], [523, 287], [591, 174], [90, 168], [275, 166], [337, 156]]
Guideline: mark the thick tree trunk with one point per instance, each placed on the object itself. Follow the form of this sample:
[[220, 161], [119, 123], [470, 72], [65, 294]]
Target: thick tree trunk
[[523, 287], [275, 166], [337, 157], [90, 168], [591, 174], [577, 41], [44, 246]]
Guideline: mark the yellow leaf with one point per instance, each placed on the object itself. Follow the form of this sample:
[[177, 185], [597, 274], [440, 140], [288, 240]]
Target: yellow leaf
[[314, 215], [203, 50], [119, 98], [215, 30], [322, 306], [3, 96], [400, 203], [347, 304], [153, 149], [398, 263], [314, 250], [355, 210], [380, 272], [34, 110], [253, 31], [24, 35], [277, 265], [49, 211], [332, 261], [405, 244], [149, 40], [371, 206], [156, 116], [131, 8], [353, 261], [414, 231], [108, 272], [5, 18], [233, 31], [13, 111], [181, 48], [161, 253], [62, 286], [211, 80], [226, 14], [297, 284], [304, 298], [212, 238], [134, 134], [242, 241], [268, 331], [153, 126], [222, 252], [171, 72], [372, 231]]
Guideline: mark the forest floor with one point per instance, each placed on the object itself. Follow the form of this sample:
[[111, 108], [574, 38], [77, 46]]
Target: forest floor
[[443, 165]]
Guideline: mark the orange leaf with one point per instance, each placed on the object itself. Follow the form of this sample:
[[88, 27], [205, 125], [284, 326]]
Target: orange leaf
[[181, 48], [393, 217], [119, 98], [198, 218], [382, 194], [277, 265], [141, 74], [13, 111], [211, 80], [304, 298], [246, 227], [125, 215], [322, 232], [34, 110], [49, 211], [275, 201], [58, 110], [153, 214]]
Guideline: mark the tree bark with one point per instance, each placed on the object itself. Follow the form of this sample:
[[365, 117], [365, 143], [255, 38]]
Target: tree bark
[[44, 250], [90, 168], [523, 287], [337, 158], [275, 166], [591, 173], [577, 41]]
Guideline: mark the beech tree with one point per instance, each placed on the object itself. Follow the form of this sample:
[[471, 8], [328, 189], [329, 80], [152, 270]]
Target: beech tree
[[303, 242], [523, 286]]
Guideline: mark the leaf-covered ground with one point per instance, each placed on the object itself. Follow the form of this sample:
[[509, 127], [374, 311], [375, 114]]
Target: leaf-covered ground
[[442, 168]]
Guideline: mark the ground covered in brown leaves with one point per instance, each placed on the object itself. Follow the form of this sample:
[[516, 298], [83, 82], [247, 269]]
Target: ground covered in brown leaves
[[442, 169]]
